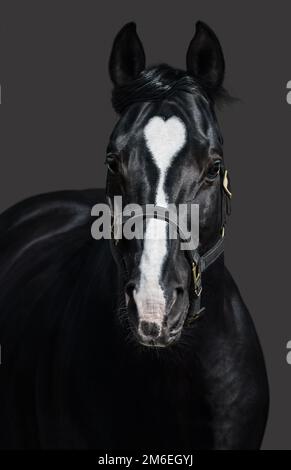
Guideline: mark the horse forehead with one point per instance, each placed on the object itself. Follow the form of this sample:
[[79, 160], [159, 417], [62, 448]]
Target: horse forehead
[[165, 138]]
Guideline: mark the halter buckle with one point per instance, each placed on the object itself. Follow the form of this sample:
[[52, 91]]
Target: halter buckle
[[196, 271], [225, 184]]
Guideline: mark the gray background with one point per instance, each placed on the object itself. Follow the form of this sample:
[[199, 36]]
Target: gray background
[[56, 118]]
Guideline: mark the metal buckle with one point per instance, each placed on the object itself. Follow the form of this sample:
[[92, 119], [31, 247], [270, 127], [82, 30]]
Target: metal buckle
[[225, 184], [197, 278]]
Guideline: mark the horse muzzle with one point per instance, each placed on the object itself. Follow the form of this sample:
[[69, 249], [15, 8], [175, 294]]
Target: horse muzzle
[[155, 322], [151, 335]]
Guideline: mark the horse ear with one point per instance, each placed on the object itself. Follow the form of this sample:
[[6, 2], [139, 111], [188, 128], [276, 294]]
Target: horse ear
[[205, 59], [127, 57]]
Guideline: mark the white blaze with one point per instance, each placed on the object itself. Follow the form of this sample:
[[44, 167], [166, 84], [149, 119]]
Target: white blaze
[[164, 140]]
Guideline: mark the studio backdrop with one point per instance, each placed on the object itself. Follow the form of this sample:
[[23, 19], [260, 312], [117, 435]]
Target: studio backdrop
[[56, 118]]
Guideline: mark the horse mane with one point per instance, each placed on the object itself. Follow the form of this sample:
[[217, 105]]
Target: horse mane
[[161, 82]]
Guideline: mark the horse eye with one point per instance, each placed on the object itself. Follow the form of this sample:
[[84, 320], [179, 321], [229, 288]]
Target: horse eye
[[214, 170], [112, 163]]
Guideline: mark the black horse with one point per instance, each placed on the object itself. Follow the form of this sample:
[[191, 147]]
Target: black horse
[[136, 343]]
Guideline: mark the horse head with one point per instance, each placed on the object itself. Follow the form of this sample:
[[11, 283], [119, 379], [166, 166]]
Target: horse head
[[166, 149]]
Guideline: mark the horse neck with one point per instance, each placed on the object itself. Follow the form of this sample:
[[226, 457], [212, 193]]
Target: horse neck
[[213, 290]]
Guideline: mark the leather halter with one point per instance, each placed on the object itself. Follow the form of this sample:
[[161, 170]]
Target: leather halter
[[199, 264]]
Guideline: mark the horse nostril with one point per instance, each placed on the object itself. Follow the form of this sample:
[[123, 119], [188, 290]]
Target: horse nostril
[[179, 291], [178, 294], [149, 329], [129, 288]]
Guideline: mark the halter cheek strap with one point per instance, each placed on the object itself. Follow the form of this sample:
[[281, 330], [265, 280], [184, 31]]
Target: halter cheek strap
[[201, 263]]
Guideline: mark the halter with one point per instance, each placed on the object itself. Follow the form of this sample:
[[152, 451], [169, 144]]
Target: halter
[[199, 264]]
